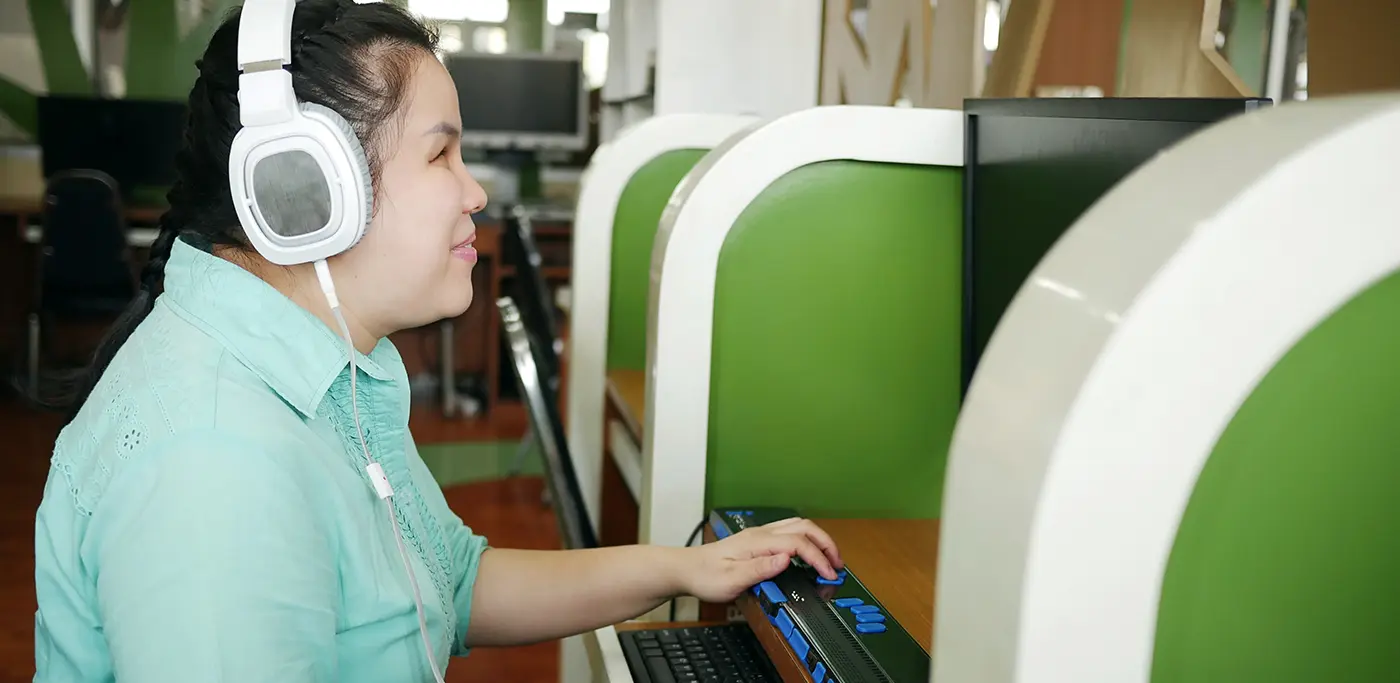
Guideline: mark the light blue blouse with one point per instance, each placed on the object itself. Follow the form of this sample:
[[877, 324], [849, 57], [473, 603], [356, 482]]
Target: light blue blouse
[[208, 516]]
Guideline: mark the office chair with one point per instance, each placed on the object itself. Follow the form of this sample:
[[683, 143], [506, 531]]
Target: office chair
[[528, 357], [85, 269], [531, 294]]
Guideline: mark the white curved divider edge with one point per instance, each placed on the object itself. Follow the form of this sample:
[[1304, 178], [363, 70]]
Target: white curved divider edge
[[1119, 364], [694, 228], [607, 175]]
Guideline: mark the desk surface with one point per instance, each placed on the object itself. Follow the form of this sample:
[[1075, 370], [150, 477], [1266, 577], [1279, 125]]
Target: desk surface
[[897, 559], [627, 390]]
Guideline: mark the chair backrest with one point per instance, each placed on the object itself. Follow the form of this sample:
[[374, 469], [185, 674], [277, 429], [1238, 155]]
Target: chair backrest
[[542, 401], [1176, 459], [621, 195], [634, 236], [84, 239], [806, 321]]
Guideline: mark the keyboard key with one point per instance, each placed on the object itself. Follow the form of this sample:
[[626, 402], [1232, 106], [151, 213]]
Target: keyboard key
[[799, 646], [869, 618], [870, 628], [847, 602], [784, 623], [772, 592], [660, 672], [863, 609], [819, 672]]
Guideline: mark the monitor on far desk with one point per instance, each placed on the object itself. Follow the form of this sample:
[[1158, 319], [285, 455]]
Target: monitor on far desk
[[1033, 166], [521, 102], [134, 141]]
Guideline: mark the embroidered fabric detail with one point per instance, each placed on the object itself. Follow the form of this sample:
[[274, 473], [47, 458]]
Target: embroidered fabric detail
[[420, 527], [87, 471]]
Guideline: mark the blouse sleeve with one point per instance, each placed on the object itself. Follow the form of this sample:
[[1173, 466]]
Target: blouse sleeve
[[212, 565], [465, 546]]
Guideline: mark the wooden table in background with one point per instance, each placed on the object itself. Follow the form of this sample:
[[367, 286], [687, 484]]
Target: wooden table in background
[[625, 402]]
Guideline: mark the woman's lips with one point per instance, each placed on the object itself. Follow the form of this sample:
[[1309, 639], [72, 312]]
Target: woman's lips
[[464, 250]]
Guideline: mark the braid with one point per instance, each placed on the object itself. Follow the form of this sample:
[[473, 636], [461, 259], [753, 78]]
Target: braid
[[154, 270]]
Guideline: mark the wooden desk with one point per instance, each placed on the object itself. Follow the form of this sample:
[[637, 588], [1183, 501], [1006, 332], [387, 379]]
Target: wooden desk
[[627, 393], [895, 559], [27, 210], [620, 488]]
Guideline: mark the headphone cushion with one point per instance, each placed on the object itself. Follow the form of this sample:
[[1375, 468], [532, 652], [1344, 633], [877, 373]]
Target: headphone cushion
[[358, 161]]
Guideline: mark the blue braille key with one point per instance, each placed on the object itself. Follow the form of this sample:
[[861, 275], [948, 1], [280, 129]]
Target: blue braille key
[[862, 609], [847, 602], [870, 628]]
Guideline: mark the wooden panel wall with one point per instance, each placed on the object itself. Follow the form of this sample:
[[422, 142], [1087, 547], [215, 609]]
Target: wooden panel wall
[[1353, 47], [1169, 51], [1080, 46], [908, 50], [1014, 66]]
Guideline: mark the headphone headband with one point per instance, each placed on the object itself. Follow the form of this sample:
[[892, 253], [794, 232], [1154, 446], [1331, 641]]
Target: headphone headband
[[265, 94], [297, 172]]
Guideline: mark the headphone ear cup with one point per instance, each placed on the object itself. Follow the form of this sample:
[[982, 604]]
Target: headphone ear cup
[[358, 161]]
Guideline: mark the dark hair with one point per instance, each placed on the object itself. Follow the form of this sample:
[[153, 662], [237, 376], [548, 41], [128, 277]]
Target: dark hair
[[356, 59]]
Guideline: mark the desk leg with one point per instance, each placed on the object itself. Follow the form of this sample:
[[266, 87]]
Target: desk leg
[[449, 377]]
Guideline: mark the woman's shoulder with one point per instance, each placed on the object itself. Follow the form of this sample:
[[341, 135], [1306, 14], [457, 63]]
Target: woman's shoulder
[[168, 386]]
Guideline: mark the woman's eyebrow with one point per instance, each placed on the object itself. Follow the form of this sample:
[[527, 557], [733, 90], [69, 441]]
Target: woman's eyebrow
[[445, 128]]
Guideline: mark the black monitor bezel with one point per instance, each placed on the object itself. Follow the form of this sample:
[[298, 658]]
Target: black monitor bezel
[[1205, 110]]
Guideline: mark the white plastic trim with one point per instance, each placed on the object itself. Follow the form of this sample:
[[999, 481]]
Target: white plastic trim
[[1120, 363], [684, 268], [608, 173]]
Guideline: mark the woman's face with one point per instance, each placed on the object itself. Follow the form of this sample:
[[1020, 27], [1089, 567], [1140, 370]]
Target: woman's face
[[414, 265]]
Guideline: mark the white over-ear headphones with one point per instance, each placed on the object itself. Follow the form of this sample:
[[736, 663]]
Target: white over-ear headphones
[[299, 177]]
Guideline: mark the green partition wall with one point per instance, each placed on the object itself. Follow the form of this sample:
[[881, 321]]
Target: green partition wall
[[1285, 566], [634, 232], [834, 381]]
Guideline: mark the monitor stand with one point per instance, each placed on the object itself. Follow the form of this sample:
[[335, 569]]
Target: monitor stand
[[520, 174]]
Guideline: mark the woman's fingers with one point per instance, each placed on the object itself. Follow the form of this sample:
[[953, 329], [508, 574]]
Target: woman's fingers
[[803, 547], [797, 525]]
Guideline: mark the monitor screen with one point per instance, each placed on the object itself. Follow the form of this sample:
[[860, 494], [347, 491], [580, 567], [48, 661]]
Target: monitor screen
[[134, 141], [529, 100], [1034, 166]]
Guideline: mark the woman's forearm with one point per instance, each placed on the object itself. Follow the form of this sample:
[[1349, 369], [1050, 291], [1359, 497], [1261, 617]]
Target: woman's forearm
[[526, 596]]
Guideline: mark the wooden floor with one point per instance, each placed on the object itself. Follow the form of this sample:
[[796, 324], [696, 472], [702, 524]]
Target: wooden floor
[[508, 513]]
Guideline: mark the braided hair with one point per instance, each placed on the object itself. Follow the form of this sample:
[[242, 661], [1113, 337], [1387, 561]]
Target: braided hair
[[356, 59]]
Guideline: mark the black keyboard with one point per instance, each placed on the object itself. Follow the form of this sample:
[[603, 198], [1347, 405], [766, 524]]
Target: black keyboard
[[707, 654]]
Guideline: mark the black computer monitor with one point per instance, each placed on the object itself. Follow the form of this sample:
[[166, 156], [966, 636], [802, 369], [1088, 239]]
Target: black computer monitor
[[1033, 166], [521, 101], [134, 141]]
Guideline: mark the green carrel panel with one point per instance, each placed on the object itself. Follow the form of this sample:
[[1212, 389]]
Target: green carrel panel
[[834, 380], [1286, 567], [634, 231]]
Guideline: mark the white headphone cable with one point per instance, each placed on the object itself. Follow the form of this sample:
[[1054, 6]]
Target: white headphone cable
[[376, 473]]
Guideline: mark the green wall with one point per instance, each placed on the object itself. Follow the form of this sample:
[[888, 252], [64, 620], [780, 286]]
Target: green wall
[[1286, 567], [835, 368]]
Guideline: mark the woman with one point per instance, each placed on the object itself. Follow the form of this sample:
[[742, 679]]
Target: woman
[[209, 517]]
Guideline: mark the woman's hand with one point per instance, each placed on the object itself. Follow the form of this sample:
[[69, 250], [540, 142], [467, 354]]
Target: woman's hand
[[719, 572]]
